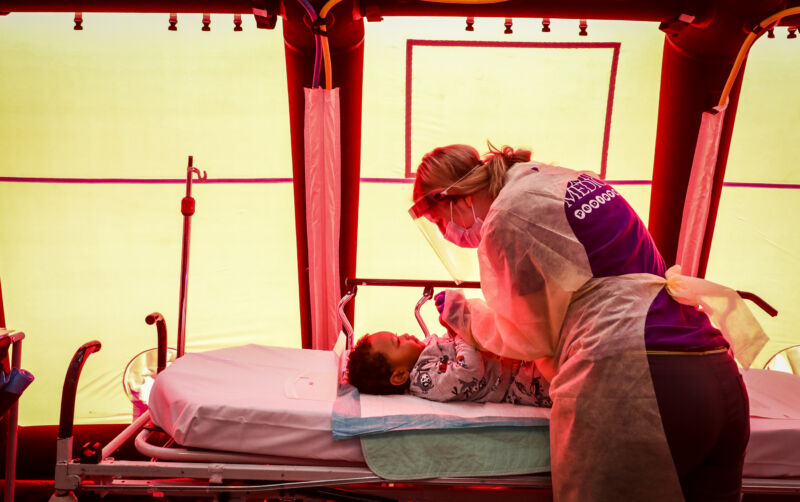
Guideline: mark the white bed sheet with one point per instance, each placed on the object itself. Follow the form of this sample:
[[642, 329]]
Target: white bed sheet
[[253, 399], [382, 406], [774, 447]]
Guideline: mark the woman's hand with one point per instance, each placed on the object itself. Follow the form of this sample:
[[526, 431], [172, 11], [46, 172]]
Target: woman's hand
[[467, 337], [439, 300], [453, 300]]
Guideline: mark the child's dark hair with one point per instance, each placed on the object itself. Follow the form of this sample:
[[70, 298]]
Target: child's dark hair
[[370, 372]]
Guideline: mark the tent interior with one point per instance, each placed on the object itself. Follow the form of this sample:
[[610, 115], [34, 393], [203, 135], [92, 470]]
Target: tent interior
[[98, 122]]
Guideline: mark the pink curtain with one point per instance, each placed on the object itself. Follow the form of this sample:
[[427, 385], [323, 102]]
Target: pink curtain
[[323, 207], [698, 193]]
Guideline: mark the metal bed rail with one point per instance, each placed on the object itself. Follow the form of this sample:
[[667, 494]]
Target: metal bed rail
[[428, 288], [771, 486], [181, 454]]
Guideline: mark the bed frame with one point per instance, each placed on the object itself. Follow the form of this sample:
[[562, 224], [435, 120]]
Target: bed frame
[[216, 475]]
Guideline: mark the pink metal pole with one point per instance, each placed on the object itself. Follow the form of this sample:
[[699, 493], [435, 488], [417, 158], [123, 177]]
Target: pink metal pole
[[187, 209], [11, 445]]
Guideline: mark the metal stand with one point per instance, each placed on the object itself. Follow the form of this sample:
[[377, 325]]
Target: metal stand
[[187, 209]]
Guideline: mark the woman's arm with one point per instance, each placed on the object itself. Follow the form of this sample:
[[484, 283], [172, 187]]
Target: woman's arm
[[528, 285]]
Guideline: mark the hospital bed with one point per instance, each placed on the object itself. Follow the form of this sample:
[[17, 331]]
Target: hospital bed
[[276, 439]]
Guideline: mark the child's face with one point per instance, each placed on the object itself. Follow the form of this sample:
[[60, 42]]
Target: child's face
[[401, 351]]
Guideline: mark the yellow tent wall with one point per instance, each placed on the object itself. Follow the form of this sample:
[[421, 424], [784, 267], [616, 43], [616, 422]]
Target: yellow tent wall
[[118, 107]]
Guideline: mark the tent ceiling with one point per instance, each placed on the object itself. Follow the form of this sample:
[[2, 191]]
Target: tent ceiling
[[625, 10]]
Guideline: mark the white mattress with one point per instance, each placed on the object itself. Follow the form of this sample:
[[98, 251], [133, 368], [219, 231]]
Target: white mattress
[[279, 402], [253, 399], [774, 447]]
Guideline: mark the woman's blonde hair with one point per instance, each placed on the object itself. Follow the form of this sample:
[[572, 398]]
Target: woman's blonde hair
[[445, 165]]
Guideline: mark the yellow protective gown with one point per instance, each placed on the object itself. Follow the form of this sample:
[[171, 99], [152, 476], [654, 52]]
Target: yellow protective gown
[[607, 440]]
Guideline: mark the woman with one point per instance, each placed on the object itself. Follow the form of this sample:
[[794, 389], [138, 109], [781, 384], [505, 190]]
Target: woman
[[647, 402]]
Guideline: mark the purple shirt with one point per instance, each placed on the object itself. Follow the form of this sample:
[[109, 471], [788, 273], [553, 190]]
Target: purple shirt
[[617, 242]]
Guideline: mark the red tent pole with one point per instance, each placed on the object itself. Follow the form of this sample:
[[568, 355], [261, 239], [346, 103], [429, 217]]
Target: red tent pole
[[299, 65], [689, 86], [346, 40], [696, 63]]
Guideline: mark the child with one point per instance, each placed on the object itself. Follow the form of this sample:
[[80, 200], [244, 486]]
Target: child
[[442, 369]]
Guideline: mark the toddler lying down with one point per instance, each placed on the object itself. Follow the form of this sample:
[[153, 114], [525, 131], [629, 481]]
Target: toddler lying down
[[442, 369]]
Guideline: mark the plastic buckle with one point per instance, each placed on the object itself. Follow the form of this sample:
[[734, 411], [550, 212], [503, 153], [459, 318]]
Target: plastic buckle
[[90, 453], [672, 28], [264, 20]]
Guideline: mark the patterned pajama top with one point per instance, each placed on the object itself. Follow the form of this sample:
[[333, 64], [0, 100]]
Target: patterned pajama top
[[449, 369]]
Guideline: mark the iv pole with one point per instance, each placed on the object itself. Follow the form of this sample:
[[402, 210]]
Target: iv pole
[[187, 209]]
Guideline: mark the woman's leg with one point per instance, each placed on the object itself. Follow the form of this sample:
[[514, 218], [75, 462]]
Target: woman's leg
[[704, 410]]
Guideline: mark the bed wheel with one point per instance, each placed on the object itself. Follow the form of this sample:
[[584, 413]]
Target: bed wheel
[[63, 497]]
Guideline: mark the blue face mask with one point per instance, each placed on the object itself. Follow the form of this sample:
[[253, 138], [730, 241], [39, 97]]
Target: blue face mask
[[464, 237]]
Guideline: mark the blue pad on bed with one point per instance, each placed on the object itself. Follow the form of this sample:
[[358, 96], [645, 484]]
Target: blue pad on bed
[[356, 414]]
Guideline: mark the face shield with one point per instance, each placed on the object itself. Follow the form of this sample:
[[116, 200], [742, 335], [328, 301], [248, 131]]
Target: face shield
[[461, 263]]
